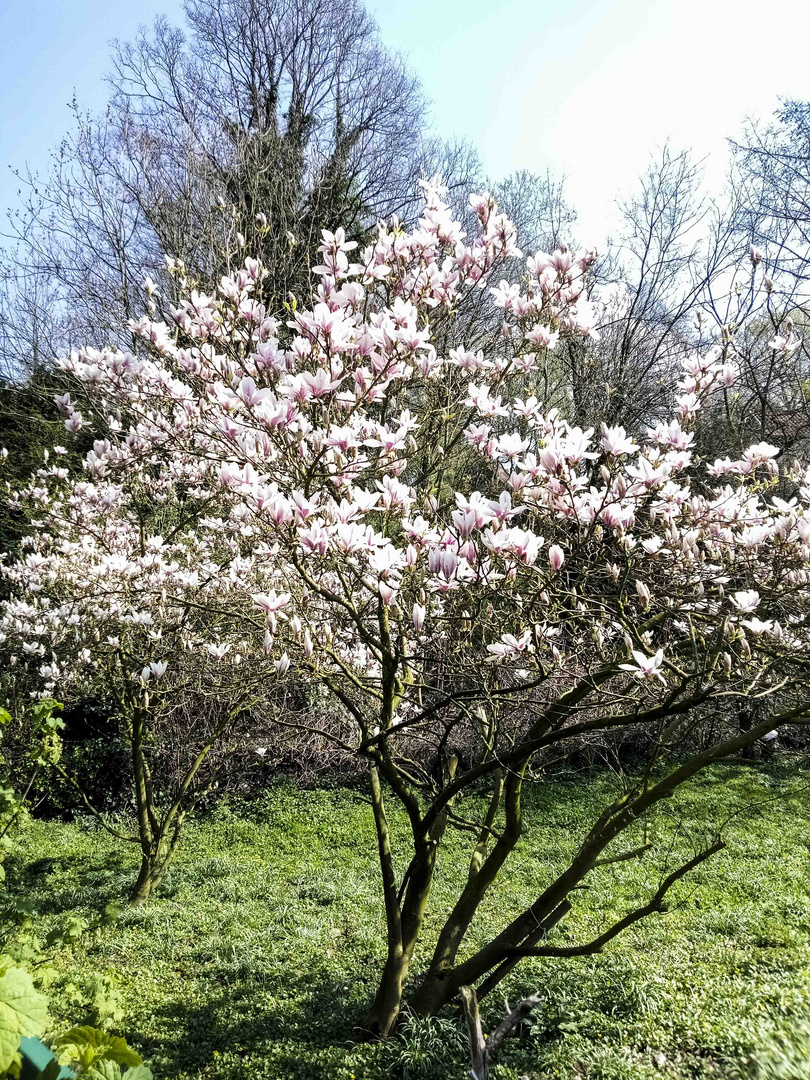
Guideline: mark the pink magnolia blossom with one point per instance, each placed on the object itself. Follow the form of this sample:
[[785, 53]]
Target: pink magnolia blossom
[[746, 601], [646, 667]]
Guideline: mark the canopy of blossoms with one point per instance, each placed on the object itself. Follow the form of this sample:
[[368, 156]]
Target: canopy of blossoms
[[346, 488]]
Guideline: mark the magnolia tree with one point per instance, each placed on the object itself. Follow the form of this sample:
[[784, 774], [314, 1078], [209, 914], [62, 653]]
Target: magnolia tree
[[342, 498], [98, 608], [121, 596]]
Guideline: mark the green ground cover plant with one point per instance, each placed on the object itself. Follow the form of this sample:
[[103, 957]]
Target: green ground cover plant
[[262, 945]]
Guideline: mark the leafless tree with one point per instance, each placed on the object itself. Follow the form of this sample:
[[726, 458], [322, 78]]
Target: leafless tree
[[259, 124], [539, 208], [265, 122], [770, 191], [649, 284], [772, 174]]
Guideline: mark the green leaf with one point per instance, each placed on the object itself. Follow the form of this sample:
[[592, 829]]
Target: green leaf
[[43, 711], [46, 976], [111, 913], [138, 1072], [69, 932], [5, 716], [105, 1070], [19, 909], [85, 1047], [105, 1001], [75, 927], [23, 1011]]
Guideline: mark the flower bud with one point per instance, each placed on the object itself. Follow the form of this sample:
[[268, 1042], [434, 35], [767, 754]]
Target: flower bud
[[556, 556], [387, 593]]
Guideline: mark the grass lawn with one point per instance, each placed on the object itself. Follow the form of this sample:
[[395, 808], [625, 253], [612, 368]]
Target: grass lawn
[[262, 949]]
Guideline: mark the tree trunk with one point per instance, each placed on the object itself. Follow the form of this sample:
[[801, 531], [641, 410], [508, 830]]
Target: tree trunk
[[435, 991], [403, 916], [145, 883], [401, 944], [385, 1009], [438, 986], [745, 719], [153, 869]]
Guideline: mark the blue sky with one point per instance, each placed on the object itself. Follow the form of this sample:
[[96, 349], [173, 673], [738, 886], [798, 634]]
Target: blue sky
[[589, 87]]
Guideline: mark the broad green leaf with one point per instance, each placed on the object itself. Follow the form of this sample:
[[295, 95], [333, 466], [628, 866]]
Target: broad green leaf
[[46, 976], [85, 1047], [44, 709], [104, 1070], [138, 1072], [107, 1003], [69, 931], [23, 1011], [112, 912]]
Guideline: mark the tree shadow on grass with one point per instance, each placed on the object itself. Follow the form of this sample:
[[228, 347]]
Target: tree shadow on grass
[[55, 884], [299, 1022]]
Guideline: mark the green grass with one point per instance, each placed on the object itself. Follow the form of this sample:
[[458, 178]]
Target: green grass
[[262, 950]]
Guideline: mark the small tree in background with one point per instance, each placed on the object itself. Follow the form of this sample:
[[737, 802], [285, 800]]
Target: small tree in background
[[112, 583]]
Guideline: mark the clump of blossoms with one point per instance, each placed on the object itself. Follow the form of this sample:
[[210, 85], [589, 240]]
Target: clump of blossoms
[[346, 497]]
